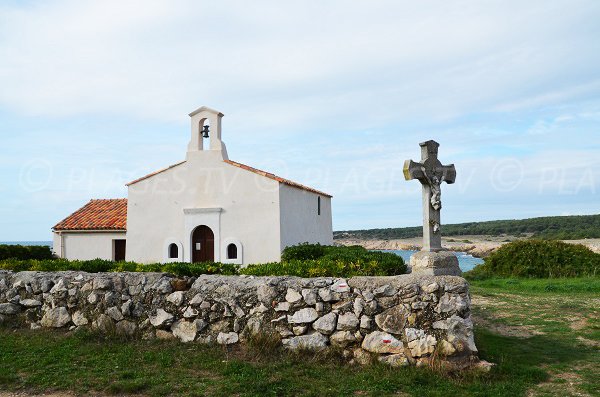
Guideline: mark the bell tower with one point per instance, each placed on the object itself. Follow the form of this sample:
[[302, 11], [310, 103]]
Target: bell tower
[[206, 133]]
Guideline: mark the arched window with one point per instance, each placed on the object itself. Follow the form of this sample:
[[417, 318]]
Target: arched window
[[173, 251], [232, 251]]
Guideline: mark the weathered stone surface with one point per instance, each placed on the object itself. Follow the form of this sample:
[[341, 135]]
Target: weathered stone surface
[[326, 324], [283, 307], [321, 311], [101, 283], [186, 331], [459, 332], [56, 318], [30, 303], [126, 328], [452, 302], [299, 329], [303, 316], [292, 296], [384, 290], [327, 295], [161, 318], [420, 343], [347, 322], [79, 319], [340, 285], [382, 342], [104, 324], [309, 296], [9, 308], [227, 338], [175, 298], [393, 320], [265, 294], [395, 360], [114, 313], [443, 263], [366, 322], [314, 341], [165, 335], [190, 312], [342, 338]]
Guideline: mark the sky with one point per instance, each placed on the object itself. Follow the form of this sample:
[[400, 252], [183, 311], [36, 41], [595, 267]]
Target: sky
[[332, 94]]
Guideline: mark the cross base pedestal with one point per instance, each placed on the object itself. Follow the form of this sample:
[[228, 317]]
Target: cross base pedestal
[[441, 263]]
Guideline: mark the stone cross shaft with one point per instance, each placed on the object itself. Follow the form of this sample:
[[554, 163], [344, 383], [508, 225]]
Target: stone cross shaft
[[431, 173]]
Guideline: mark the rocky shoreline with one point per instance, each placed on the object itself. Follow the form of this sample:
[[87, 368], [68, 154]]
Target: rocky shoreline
[[478, 246]]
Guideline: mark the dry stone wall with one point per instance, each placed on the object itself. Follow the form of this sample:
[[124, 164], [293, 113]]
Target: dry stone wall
[[401, 320]]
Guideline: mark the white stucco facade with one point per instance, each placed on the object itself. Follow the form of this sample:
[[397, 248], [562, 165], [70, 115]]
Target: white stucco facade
[[86, 245], [252, 215]]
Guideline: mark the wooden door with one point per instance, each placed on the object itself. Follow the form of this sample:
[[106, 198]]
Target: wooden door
[[119, 247], [203, 244]]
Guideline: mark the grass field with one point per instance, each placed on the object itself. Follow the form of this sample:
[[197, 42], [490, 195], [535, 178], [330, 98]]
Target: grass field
[[544, 336]]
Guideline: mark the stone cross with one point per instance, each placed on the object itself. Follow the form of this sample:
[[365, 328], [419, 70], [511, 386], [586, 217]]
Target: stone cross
[[431, 173]]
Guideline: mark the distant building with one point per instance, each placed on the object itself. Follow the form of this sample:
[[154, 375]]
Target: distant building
[[206, 208]]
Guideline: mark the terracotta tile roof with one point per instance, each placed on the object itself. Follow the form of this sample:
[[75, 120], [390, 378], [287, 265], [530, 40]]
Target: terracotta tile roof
[[247, 168], [110, 214], [276, 178], [155, 173]]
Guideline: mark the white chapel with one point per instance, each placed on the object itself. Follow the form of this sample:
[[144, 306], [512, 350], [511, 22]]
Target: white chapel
[[205, 208]]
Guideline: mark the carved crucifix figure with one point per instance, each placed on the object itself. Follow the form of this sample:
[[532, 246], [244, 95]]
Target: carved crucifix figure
[[431, 173]]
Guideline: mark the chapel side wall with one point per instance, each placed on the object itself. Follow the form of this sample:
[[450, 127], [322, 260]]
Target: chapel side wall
[[249, 202], [86, 245], [300, 221]]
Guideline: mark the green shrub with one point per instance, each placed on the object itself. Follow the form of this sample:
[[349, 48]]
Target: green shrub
[[303, 252], [25, 252], [100, 265], [539, 259], [314, 260], [305, 260]]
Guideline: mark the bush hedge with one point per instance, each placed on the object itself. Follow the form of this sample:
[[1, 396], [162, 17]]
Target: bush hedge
[[331, 262], [539, 259], [25, 252], [100, 265]]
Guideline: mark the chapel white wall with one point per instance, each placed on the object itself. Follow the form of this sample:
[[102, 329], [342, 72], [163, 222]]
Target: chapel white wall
[[299, 219], [249, 202], [86, 245]]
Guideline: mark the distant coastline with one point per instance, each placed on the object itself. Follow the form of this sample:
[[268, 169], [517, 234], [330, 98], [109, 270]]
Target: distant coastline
[[48, 243]]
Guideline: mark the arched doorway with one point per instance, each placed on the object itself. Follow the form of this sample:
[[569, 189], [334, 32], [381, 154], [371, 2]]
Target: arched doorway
[[203, 244]]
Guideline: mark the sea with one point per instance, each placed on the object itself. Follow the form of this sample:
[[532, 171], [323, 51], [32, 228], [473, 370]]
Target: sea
[[48, 243], [466, 262]]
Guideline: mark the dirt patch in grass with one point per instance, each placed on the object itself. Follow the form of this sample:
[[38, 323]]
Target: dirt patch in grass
[[578, 324], [563, 384], [588, 342], [505, 329]]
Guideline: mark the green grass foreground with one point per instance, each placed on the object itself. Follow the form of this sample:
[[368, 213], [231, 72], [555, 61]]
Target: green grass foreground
[[545, 342]]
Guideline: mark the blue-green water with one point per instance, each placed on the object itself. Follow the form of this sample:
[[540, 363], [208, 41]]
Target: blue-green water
[[48, 243], [466, 262]]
